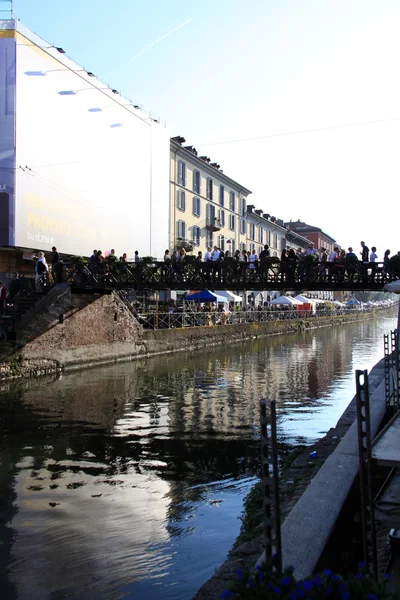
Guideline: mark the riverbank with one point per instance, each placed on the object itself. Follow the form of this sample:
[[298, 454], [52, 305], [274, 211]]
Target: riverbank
[[74, 331], [298, 470]]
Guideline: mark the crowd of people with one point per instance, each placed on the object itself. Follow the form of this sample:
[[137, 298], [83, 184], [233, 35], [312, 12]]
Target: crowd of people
[[290, 262]]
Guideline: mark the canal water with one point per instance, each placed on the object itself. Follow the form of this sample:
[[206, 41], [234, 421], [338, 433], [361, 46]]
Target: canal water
[[127, 481]]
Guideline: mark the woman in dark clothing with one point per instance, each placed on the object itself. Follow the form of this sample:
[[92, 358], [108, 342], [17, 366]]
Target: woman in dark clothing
[[284, 264], [386, 263], [291, 264]]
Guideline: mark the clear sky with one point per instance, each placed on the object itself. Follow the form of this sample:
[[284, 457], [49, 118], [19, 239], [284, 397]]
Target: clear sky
[[259, 68]]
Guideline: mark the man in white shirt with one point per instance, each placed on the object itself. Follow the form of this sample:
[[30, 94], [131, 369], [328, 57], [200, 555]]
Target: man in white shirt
[[334, 256], [215, 254], [41, 271], [372, 258], [207, 255], [311, 250]]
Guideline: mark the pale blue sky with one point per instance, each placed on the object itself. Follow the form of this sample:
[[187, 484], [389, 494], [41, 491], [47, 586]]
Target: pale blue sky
[[247, 69]]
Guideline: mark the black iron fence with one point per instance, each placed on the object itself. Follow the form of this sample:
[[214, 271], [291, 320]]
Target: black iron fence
[[230, 274], [175, 320]]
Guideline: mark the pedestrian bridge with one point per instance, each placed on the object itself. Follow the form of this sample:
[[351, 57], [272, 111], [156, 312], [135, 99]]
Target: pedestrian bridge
[[228, 274]]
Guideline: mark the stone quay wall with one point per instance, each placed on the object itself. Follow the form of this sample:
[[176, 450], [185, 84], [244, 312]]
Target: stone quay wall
[[67, 331]]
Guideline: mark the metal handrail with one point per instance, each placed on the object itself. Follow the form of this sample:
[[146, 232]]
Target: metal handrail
[[174, 320], [231, 274]]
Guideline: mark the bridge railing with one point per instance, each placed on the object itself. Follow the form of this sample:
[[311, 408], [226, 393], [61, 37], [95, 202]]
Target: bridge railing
[[230, 274], [177, 320]]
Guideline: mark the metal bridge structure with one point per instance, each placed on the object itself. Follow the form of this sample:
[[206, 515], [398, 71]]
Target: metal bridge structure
[[230, 275]]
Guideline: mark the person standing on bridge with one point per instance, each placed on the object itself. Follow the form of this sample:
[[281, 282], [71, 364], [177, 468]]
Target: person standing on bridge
[[364, 252], [56, 266], [41, 271], [365, 259], [372, 258]]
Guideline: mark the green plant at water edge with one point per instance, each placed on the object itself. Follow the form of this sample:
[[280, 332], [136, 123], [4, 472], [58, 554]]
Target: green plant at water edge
[[266, 584], [251, 517]]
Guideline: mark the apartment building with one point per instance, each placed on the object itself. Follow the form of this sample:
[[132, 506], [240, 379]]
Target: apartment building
[[319, 238], [262, 228], [207, 207]]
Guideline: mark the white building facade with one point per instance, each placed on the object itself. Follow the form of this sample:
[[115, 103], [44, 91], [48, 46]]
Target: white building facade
[[81, 167], [207, 208]]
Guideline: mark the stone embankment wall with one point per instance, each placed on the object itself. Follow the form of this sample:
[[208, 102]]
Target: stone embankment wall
[[68, 331]]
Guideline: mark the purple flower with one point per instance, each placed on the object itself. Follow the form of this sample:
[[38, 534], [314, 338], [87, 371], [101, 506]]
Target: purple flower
[[387, 576], [286, 581], [240, 573], [226, 594], [328, 592], [318, 580], [328, 572], [292, 596], [308, 585], [372, 597], [277, 590], [362, 565], [359, 575]]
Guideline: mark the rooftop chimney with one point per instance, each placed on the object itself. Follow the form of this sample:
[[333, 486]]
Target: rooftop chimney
[[178, 139]]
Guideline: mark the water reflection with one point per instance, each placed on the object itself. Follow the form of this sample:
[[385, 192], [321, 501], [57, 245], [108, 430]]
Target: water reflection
[[115, 481]]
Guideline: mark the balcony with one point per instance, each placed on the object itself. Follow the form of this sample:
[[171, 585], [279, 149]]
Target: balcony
[[213, 224]]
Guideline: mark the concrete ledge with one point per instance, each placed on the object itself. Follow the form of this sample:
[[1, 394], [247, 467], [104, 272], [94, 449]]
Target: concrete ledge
[[309, 525]]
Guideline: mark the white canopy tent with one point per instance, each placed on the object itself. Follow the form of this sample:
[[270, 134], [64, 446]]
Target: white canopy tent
[[230, 296], [286, 300], [303, 299]]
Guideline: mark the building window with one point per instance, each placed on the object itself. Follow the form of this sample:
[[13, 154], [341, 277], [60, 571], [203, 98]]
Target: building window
[[196, 182], [196, 206], [231, 246], [181, 200], [221, 195], [252, 231], [181, 230], [253, 247], [196, 234], [232, 222], [210, 185], [232, 202], [182, 173], [222, 218], [243, 206], [221, 242], [278, 243], [210, 213], [210, 239], [260, 248], [242, 246], [268, 238], [261, 235], [243, 226], [275, 241]]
